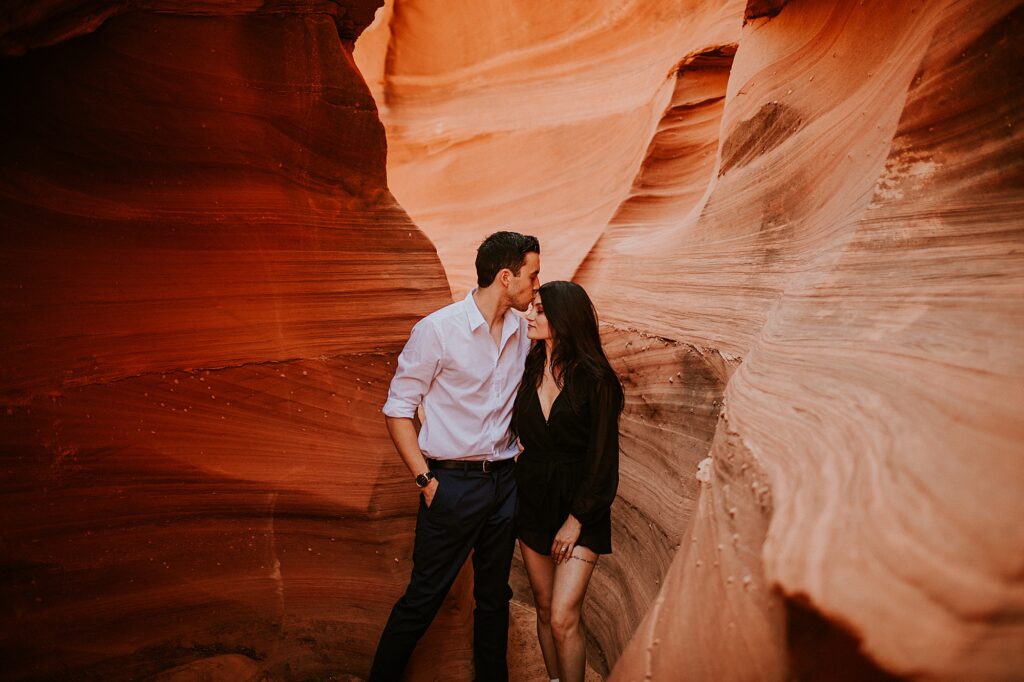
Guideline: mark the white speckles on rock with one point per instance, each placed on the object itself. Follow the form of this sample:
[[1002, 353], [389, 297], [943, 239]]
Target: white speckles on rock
[[704, 471]]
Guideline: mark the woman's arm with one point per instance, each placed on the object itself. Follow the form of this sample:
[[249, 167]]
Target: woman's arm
[[601, 478]]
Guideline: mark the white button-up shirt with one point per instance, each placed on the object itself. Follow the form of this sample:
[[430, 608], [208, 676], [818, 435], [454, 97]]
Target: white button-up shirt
[[465, 382]]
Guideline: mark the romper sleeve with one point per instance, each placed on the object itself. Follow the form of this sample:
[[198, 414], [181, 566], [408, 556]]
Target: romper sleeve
[[601, 476]]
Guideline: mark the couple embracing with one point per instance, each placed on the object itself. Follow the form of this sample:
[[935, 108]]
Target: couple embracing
[[519, 440]]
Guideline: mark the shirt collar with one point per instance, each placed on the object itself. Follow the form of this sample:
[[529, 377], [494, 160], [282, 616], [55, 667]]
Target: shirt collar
[[473, 314], [476, 319]]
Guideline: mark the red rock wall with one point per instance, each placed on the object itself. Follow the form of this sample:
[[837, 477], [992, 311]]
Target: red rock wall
[[822, 228], [801, 224], [205, 281], [533, 117], [857, 249]]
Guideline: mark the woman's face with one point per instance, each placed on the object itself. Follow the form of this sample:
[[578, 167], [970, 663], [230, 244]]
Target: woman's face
[[537, 328]]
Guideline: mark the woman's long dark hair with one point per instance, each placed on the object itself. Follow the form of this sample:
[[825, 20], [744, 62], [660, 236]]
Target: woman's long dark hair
[[577, 341]]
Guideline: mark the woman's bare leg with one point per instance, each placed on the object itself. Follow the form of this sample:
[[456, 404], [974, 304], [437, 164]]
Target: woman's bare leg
[[571, 579], [540, 569]]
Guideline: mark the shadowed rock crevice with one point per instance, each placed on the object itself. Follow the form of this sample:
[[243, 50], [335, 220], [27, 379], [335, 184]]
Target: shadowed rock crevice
[[709, 59], [762, 9], [674, 393], [772, 125], [822, 651], [680, 156]]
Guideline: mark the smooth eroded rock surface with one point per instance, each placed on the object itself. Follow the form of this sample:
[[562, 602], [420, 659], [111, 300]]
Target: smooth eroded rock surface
[[205, 283], [857, 248], [827, 199], [800, 222], [533, 117]]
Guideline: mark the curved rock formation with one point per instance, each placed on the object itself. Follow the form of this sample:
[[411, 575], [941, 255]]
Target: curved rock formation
[[205, 281], [827, 209], [801, 223], [535, 119], [857, 248], [520, 112]]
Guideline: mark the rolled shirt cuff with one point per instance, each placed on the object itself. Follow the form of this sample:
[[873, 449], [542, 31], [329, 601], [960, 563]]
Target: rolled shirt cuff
[[395, 407]]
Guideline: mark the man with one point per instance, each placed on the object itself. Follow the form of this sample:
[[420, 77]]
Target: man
[[463, 363]]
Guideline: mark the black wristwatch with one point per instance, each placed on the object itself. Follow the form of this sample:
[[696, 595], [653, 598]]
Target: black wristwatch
[[423, 480]]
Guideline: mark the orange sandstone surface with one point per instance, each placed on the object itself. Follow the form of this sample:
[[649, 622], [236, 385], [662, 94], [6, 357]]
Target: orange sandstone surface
[[205, 282], [800, 221], [812, 282], [531, 115]]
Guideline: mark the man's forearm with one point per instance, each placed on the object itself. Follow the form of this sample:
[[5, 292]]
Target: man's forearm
[[403, 434]]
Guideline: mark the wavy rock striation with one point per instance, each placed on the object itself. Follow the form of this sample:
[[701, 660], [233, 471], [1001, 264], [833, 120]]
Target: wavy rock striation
[[825, 208], [858, 247], [205, 281], [801, 222], [535, 119]]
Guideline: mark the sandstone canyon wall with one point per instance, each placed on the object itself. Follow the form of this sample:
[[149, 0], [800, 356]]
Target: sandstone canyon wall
[[810, 276], [532, 115], [863, 226], [800, 221], [205, 281]]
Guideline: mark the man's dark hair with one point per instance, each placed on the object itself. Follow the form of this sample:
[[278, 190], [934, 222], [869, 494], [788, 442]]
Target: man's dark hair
[[503, 250]]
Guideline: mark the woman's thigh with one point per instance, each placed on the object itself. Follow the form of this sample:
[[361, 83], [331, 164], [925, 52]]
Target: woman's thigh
[[571, 579], [540, 569]]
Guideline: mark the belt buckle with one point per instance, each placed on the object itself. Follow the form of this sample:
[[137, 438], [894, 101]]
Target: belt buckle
[[485, 469]]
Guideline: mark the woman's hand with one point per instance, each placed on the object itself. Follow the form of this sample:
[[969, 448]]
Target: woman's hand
[[565, 539]]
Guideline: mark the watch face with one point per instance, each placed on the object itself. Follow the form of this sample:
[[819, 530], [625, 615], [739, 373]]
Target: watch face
[[422, 480]]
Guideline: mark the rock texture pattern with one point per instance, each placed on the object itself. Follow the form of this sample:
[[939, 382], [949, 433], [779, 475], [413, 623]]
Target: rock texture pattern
[[205, 282], [534, 118], [858, 246], [801, 222], [825, 220]]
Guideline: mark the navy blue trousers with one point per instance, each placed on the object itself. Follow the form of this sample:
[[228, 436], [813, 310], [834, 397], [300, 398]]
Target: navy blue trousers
[[471, 510]]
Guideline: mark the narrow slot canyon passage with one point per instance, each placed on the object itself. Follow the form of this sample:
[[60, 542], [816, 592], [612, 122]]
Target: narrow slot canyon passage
[[438, 123], [800, 223]]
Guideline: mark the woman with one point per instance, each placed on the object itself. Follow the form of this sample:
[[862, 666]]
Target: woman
[[566, 416]]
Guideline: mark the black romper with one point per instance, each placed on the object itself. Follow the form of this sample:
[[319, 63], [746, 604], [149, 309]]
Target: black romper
[[570, 463]]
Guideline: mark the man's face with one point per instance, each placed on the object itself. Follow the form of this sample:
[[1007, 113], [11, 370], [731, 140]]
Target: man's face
[[522, 288]]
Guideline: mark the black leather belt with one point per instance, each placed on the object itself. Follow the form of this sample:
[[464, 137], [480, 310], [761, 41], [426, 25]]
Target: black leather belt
[[464, 465]]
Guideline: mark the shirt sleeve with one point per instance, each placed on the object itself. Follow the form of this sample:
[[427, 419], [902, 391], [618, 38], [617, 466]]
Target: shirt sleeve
[[418, 364], [601, 479]]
